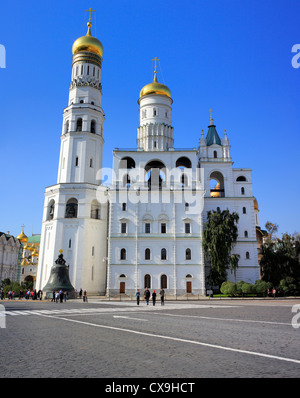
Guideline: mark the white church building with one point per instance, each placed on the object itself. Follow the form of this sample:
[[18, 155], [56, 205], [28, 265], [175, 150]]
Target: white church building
[[145, 229]]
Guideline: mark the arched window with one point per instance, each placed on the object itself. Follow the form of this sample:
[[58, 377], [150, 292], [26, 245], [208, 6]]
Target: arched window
[[70, 243], [79, 124], [50, 213], [123, 254], [163, 282], [147, 281], [247, 255], [188, 254], [95, 210], [243, 191], [93, 126], [71, 208], [215, 154], [163, 254], [76, 161], [147, 254], [241, 178], [67, 126], [246, 234], [244, 210]]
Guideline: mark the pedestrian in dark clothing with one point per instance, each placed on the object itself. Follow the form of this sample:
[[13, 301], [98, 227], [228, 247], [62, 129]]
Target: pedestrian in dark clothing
[[85, 296], [147, 295], [138, 295], [162, 297], [53, 296], [153, 297]]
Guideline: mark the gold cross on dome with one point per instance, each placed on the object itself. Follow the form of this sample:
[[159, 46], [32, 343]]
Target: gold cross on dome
[[211, 111], [155, 59], [90, 10]]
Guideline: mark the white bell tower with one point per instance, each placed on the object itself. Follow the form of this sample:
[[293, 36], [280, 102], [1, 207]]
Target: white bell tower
[[75, 213], [155, 132]]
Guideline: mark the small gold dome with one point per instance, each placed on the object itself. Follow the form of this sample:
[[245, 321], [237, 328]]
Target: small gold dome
[[155, 88], [35, 253], [22, 237], [88, 43], [255, 204], [24, 262], [215, 194]]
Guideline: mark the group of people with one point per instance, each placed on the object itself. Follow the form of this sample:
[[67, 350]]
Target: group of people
[[147, 295], [28, 294], [59, 296]]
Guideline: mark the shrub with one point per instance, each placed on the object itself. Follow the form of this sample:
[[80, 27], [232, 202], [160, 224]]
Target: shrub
[[229, 288], [261, 287], [247, 288]]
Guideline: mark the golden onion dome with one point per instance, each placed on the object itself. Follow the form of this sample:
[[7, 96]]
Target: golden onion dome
[[24, 262], [22, 237], [35, 253], [255, 204], [155, 88], [88, 43], [215, 194]]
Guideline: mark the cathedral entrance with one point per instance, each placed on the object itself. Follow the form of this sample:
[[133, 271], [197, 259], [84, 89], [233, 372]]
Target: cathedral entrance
[[122, 287]]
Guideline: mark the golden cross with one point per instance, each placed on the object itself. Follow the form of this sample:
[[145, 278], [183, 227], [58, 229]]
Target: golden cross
[[23, 226], [90, 10], [210, 113], [155, 59]]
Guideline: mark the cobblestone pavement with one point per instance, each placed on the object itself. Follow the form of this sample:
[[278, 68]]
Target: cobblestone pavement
[[208, 338]]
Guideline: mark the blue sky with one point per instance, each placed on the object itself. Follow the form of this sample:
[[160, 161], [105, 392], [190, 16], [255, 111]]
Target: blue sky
[[233, 56]]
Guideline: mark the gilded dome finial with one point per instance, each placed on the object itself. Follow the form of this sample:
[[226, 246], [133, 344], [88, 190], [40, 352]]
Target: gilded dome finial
[[211, 120], [155, 59], [89, 24]]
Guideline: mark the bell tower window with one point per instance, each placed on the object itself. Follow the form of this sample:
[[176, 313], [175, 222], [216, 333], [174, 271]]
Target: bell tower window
[[79, 124]]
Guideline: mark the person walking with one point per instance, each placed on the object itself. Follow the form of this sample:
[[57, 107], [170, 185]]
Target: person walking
[[153, 297], [147, 295], [138, 295], [162, 297], [85, 296]]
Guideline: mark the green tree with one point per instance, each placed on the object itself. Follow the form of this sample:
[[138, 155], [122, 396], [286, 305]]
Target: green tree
[[219, 235], [288, 285], [272, 229], [280, 259]]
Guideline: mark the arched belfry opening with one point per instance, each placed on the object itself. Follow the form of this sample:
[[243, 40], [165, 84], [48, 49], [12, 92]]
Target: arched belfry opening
[[217, 189], [127, 163], [155, 174]]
